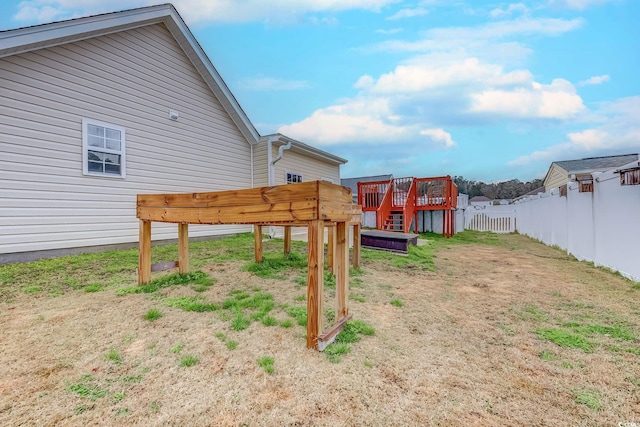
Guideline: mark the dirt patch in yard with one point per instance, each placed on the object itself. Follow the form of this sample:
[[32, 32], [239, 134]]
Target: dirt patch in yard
[[462, 345]]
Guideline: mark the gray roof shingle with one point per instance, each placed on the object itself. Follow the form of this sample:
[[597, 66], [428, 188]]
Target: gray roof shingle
[[594, 164]]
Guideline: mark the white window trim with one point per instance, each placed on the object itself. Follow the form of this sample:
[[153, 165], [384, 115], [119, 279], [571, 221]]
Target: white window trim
[[85, 149], [286, 181]]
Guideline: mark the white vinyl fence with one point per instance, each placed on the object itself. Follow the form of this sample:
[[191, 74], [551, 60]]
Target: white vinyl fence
[[498, 219], [602, 226]]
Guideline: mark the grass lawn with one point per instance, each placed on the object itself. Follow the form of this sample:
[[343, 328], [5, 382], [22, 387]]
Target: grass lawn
[[479, 329]]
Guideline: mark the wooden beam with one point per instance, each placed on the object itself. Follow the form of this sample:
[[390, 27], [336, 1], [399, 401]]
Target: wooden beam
[[331, 247], [341, 269], [330, 334], [257, 242], [183, 248], [356, 245], [144, 253], [287, 240], [315, 279], [302, 210], [313, 190]]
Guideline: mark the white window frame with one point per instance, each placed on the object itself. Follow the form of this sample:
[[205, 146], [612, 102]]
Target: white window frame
[[86, 148], [286, 177]]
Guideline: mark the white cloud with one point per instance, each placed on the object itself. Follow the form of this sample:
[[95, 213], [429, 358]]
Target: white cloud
[[194, 11], [390, 31], [408, 13], [513, 7], [619, 133], [366, 121], [270, 83], [595, 80], [555, 101], [579, 4]]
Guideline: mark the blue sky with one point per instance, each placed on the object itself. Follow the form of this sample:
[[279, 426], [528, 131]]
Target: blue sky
[[488, 90]]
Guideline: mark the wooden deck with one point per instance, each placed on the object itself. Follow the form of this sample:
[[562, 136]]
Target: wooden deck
[[316, 205]]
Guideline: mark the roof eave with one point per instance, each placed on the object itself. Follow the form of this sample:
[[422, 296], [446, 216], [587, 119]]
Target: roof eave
[[306, 149]]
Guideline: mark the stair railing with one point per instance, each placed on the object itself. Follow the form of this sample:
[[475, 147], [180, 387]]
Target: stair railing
[[386, 204], [409, 209]]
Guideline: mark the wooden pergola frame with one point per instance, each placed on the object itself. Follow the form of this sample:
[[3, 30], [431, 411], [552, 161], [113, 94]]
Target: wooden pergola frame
[[314, 205]]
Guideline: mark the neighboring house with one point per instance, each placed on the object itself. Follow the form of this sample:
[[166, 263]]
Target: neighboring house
[[480, 201], [292, 161], [352, 183], [99, 109], [561, 172]]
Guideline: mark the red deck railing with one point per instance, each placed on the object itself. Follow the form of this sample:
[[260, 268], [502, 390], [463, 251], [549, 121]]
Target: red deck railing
[[410, 195]]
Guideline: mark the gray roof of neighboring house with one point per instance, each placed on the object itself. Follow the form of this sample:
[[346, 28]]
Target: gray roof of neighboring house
[[595, 164], [353, 182]]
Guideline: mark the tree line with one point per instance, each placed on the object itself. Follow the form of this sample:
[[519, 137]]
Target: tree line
[[501, 190]]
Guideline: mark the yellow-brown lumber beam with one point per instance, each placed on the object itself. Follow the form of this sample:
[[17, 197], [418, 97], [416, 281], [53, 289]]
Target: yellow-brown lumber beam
[[341, 269], [144, 253], [331, 247], [315, 278], [183, 248], [313, 190], [257, 242], [356, 245], [287, 240], [302, 210]]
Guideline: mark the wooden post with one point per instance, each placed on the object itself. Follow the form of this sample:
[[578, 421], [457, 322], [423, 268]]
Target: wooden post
[[331, 247], [341, 267], [356, 245], [144, 253], [287, 239], [257, 241], [315, 281], [183, 248]]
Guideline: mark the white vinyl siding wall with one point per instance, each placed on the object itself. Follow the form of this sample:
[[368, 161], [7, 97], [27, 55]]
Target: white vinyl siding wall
[[129, 79], [557, 177], [260, 168], [310, 168]]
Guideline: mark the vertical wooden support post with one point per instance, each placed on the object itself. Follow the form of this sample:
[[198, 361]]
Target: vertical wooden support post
[[183, 248], [257, 241], [315, 281], [144, 253], [356, 245], [341, 268], [331, 247], [287, 240]]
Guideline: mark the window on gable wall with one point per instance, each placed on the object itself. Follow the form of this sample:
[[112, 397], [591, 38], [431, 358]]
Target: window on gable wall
[[585, 183], [103, 149], [630, 177], [293, 178]]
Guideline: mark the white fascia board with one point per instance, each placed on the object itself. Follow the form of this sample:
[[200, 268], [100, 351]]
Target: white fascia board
[[305, 149]]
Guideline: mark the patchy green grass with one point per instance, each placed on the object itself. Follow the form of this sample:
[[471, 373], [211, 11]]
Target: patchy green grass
[[199, 278], [114, 356], [396, 302], [589, 398], [273, 266], [231, 345], [93, 287], [195, 303], [565, 339], [266, 363], [188, 360], [547, 355], [299, 313], [87, 387], [177, 348], [152, 315]]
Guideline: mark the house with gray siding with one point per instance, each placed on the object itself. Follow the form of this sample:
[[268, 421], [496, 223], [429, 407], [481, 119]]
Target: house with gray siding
[[96, 110]]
